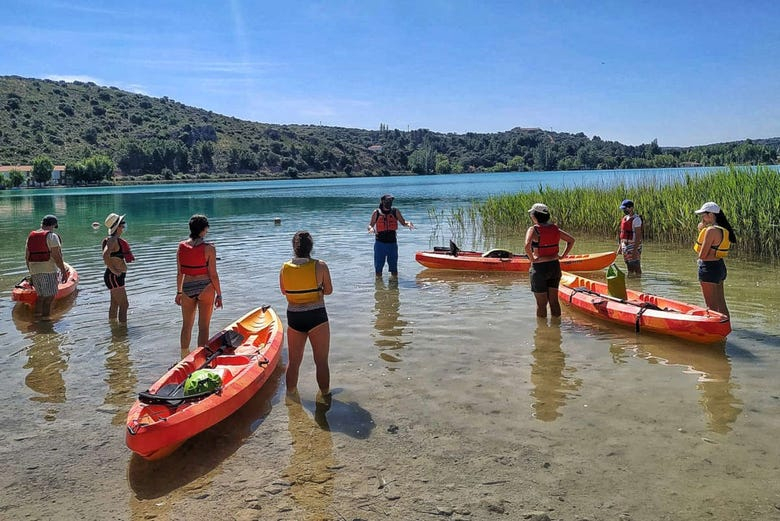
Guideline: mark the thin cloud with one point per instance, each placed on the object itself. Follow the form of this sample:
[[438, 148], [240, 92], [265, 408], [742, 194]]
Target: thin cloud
[[75, 77], [84, 9], [70, 78]]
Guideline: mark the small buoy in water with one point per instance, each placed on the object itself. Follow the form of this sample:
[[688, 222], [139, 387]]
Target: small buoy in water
[[277, 220], [95, 225]]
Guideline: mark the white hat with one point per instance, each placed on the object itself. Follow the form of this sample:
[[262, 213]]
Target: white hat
[[709, 207], [540, 208], [113, 221]]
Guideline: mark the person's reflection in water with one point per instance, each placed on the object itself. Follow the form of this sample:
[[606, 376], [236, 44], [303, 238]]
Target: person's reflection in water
[[714, 380], [551, 385], [388, 324], [312, 461], [47, 364], [120, 377]]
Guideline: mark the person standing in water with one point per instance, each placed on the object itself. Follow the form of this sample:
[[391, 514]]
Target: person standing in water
[[384, 224], [43, 254], [542, 245], [305, 281], [631, 238], [197, 282], [116, 256], [712, 245]]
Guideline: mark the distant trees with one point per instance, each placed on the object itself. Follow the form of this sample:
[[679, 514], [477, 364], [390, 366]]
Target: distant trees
[[42, 168], [160, 138], [91, 170], [16, 178]]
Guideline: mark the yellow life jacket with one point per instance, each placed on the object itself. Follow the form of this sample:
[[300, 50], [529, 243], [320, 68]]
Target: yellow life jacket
[[300, 282], [722, 249]]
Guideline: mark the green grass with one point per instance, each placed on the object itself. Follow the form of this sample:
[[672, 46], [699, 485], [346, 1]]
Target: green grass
[[749, 198]]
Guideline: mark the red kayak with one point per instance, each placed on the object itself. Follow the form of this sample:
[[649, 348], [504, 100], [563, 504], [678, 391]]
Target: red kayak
[[25, 292], [644, 312], [243, 355], [502, 260]]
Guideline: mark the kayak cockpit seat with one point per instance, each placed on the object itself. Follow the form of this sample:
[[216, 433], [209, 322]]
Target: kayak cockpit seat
[[498, 253], [452, 249], [177, 398]]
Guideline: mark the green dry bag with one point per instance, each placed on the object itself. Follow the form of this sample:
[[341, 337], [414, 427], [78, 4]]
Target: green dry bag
[[616, 282], [202, 381]]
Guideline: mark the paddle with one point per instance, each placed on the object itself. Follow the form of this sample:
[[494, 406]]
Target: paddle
[[230, 339]]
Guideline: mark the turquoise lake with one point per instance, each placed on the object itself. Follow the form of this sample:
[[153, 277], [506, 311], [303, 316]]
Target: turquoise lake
[[403, 352]]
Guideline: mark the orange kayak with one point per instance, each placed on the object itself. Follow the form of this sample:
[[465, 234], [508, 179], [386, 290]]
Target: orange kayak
[[25, 292], [244, 355], [501, 260], [644, 312]]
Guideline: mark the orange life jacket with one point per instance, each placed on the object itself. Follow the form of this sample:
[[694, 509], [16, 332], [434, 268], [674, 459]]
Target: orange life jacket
[[37, 249], [627, 227], [386, 221], [386, 225], [193, 258], [549, 237]]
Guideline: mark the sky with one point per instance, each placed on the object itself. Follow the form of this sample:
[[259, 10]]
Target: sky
[[682, 72]]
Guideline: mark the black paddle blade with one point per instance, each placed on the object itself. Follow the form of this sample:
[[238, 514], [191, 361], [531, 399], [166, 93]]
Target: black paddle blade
[[231, 338]]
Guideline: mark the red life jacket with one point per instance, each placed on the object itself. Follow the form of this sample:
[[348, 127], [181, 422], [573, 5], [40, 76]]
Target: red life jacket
[[549, 237], [627, 227], [193, 258], [124, 250], [124, 247], [386, 222], [37, 249]]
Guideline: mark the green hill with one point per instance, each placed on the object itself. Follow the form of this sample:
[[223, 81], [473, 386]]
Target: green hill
[[159, 137]]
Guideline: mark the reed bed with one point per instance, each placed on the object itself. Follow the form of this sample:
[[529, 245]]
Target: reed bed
[[748, 196]]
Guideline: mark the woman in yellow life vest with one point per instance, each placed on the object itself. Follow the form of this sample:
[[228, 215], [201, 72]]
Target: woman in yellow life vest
[[712, 245], [305, 282]]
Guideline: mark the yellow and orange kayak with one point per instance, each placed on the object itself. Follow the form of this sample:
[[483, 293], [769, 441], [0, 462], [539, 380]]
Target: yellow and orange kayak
[[644, 312], [499, 260], [25, 292], [244, 355]]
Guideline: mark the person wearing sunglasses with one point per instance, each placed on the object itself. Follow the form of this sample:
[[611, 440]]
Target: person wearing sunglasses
[[116, 256]]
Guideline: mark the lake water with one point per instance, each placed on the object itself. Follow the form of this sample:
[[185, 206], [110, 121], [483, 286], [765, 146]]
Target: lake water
[[67, 385]]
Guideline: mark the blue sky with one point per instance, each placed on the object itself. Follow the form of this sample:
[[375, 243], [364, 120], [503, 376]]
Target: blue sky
[[685, 73]]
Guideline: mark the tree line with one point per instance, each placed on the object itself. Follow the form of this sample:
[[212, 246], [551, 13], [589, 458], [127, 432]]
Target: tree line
[[158, 138]]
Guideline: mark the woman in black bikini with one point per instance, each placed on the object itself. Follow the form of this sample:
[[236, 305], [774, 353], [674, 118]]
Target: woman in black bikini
[[116, 256], [305, 282], [197, 282]]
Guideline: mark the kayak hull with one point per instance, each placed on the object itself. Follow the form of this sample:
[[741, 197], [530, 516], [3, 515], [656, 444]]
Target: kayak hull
[[644, 312], [25, 292], [154, 430], [474, 261]]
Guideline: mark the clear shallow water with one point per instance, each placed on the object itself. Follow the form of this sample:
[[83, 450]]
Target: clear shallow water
[[64, 382]]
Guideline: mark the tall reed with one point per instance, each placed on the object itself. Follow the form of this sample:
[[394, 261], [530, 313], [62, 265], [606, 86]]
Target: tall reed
[[748, 196]]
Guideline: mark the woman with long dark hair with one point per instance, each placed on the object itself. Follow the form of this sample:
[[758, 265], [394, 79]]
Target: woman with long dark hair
[[713, 244]]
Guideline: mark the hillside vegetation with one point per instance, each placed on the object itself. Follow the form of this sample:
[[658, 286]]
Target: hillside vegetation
[[159, 138]]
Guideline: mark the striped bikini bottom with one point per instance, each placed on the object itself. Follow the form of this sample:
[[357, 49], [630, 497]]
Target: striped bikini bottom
[[193, 288]]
